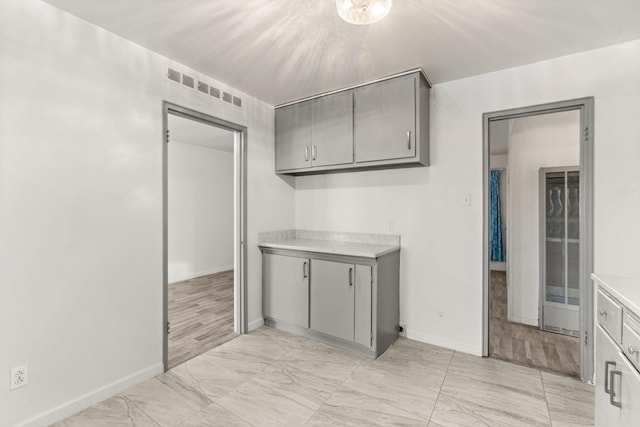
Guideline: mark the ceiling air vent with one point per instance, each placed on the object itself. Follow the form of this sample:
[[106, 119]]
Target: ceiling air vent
[[188, 81], [226, 96], [214, 91], [173, 75], [203, 87], [237, 101]]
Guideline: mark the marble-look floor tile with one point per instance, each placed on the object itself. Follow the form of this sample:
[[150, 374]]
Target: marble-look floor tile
[[411, 395], [487, 393], [308, 387], [167, 400], [264, 406], [455, 412], [115, 411], [215, 415], [570, 401], [332, 416], [497, 372], [207, 376], [409, 353]]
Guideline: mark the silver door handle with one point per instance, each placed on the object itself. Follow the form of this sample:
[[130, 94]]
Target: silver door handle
[[304, 270], [313, 152], [602, 312], [613, 393], [607, 389], [350, 276], [306, 154], [632, 350], [408, 140]]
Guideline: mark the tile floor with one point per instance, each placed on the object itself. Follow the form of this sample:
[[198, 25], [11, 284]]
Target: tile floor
[[272, 378]]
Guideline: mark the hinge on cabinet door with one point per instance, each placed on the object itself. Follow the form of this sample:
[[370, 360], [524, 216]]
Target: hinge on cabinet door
[[586, 337], [371, 339], [372, 274], [167, 136], [168, 328], [586, 133]]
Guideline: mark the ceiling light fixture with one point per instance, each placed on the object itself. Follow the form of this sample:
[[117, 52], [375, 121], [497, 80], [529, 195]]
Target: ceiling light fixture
[[363, 12]]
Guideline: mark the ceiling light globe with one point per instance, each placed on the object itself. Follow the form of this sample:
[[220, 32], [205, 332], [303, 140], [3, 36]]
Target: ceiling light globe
[[363, 12]]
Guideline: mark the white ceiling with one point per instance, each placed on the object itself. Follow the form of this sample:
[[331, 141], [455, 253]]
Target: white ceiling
[[281, 50], [193, 132]]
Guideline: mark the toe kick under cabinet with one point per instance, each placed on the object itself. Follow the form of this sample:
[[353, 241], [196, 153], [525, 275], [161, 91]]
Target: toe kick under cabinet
[[348, 301]]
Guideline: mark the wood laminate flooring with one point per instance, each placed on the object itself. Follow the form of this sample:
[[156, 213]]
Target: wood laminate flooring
[[524, 344], [200, 314], [272, 378]]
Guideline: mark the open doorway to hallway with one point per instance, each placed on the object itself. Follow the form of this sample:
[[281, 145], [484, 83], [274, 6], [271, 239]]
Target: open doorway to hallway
[[538, 248], [204, 227]]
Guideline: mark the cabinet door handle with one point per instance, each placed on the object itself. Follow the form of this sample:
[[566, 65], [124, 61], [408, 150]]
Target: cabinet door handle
[[313, 152], [304, 270], [632, 350], [350, 276], [607, 389], [408, 140], [602, 312], [306, 154], [613, 393]]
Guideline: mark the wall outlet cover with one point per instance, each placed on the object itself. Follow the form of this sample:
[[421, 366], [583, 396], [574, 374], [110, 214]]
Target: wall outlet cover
[[19, 377]]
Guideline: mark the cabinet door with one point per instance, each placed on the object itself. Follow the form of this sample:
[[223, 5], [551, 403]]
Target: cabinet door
[[362, 317], [293, 137], [332, 129], [614, 371], [385, 120], [332, 297], [286, 289]]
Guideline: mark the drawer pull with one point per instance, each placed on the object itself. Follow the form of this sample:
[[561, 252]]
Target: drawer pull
[[612, 395], [607, 389], [632, 350], [603, 312], [351, 276], [304, 270]]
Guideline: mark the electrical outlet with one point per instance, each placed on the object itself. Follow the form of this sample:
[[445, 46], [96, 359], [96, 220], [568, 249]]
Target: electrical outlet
[[19, 377], [403, 329]]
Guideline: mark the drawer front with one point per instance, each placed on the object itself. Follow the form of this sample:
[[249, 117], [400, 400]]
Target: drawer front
[[609, 315], [631, 339]]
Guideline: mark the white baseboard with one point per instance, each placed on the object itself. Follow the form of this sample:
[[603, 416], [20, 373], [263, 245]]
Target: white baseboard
[[443, 342], [255, 324], [199, 274], [82, 402]]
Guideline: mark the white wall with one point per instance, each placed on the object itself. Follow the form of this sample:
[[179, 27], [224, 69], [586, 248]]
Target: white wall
[[200, 210], [441, 257], [535, 142], [81, 207]]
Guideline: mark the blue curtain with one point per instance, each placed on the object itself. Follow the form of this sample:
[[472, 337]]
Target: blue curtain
[[495, 234]]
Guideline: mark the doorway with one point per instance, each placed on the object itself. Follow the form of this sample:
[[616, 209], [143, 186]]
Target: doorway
[[530, 266], [204, 226]]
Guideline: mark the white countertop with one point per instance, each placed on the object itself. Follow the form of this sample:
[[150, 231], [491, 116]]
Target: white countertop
[[332, 247], [624, 289]]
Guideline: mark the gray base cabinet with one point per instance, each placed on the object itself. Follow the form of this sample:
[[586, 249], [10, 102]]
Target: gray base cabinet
[[286, 294], [380, 125], [351, 302], [617, 363]]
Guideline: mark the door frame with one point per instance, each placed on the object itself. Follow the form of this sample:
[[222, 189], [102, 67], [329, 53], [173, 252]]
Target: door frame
[[240, 216], [586, 108]]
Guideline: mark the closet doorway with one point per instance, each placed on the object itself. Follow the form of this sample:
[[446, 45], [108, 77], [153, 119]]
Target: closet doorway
[[204, 226], [538, 249]]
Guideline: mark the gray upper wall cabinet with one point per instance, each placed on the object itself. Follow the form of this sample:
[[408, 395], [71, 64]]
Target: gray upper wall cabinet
[[332, 130], [293, 136], [380, 125]]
